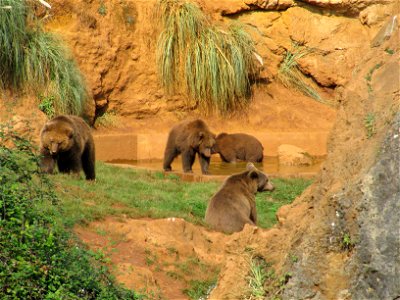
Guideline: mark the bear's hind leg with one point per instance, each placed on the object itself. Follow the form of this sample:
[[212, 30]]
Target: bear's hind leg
[[169, 156], [88, 162]]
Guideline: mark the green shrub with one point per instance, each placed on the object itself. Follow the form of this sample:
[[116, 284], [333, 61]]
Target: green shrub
[[46, 105], [33, 59], [212, 66], [39, 259]]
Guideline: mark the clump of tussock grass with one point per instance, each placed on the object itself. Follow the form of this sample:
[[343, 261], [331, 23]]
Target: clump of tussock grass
[[48, 65], [212, 66], [291, 76], [33, 59], [12, 38]]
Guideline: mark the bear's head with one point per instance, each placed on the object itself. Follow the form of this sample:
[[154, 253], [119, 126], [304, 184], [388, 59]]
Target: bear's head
[[215, 148], [205, 141], [259, 179], [57, 137]]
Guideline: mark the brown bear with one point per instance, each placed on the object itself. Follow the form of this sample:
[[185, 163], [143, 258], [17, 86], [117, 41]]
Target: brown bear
[[67, 140], [188, 138], [238, 146], [234, 204]]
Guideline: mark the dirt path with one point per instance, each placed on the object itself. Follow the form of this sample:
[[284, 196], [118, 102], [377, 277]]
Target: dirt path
[[163, 258]]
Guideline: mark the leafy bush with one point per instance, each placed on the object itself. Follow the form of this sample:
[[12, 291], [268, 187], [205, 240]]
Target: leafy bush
[[39, 259], [215, 64], [32, 58], [46, 105]]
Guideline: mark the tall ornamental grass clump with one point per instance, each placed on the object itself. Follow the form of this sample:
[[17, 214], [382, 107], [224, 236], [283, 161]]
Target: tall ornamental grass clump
[[12, 38], [36, 60], [290, 75], [211, 65], [39, 257]]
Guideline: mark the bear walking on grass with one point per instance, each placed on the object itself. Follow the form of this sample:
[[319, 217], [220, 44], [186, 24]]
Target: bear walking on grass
[[238, 146], [67, 140], [234, 204], [188, 138]]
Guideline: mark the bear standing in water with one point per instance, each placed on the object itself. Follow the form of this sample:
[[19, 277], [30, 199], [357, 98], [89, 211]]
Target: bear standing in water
[[234, 204], [238, 146], [67, 140], [188, 138]]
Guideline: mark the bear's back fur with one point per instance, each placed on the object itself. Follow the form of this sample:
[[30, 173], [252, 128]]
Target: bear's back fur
[[239, 146], [184, 134], [231, 207]]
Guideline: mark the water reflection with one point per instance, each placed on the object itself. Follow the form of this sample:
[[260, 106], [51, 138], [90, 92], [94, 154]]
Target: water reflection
[[270, 165]]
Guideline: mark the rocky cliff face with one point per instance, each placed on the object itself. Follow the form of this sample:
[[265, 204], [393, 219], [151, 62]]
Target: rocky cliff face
[[376, 261], [348, 245], [114, 44]]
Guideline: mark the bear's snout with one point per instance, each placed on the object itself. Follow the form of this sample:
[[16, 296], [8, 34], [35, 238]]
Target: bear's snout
[[269, 187], [54, 148], [207, 152]]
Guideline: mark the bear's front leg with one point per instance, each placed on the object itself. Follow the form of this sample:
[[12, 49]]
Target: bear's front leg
[[188, 157], [204, 163], [47, 162]]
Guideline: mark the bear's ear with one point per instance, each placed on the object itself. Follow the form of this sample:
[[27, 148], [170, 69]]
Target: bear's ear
[[253, 174], [45, 127], [69, 132], [200, 137]]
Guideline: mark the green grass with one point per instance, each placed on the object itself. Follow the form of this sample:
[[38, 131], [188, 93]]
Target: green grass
[[257, 276], [139, 193], [369, 123], [38, 61], [200, 289], [268, 203], [108, 120], [12, 39], [214, 63], [39, 258], [368, 77], [48, 67]]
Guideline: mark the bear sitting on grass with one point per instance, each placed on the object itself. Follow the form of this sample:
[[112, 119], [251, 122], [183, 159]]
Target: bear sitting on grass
[[67, 140], [234, 204]]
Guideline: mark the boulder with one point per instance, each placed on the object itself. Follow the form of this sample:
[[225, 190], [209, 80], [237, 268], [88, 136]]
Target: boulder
[[290, 155]]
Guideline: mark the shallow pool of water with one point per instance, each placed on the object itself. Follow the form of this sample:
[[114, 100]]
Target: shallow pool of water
[[270, 165]]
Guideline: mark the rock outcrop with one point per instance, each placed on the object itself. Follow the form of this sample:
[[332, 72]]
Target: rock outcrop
[[348, 239]]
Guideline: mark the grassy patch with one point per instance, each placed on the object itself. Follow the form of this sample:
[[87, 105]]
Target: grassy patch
[[214, 63], [389, 51], [39, 258], [369, 123], [268, 203], [291, 76], [368, 77], [36, 60], [102, 10], [140, 193], [257, 277], [108, 120], [263, 282], [200, 289]]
